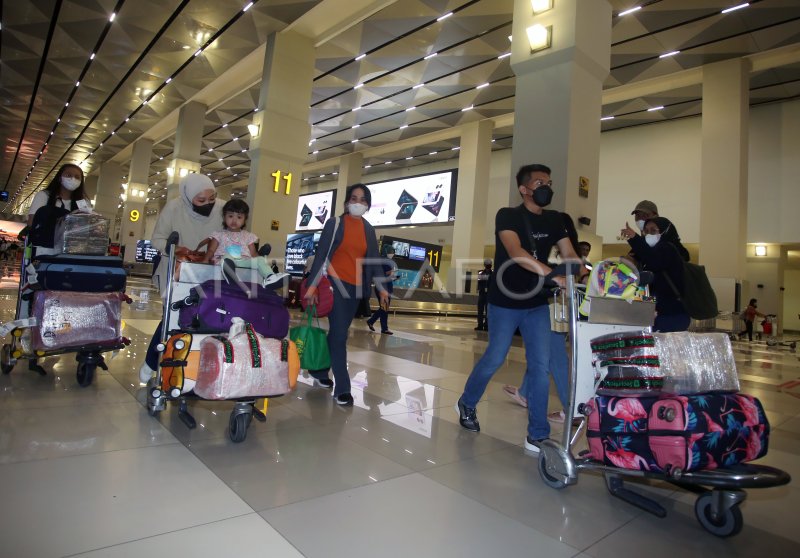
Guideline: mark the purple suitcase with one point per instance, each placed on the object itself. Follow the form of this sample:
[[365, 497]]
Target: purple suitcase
[[212, 305]]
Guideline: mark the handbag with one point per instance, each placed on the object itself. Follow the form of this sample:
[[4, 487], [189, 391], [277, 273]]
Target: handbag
[[324, 288], [311, 342]]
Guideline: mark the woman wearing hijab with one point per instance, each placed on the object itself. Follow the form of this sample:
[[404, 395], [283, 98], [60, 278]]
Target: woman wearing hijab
[[350, 255], [194, 214], [655, 252]]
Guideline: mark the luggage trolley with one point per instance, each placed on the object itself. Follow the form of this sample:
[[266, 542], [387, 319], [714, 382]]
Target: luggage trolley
[[176, 347], [89, 356], [770, 327], [720, 491]]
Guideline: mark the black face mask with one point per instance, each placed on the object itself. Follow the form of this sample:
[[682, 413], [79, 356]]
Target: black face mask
[[204, 210], [542, 196]]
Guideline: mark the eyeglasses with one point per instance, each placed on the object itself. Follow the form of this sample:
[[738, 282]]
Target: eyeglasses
[[540, 182]]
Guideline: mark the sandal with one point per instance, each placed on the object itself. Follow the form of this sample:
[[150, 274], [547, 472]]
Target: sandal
[[557, 417], [513, 393]]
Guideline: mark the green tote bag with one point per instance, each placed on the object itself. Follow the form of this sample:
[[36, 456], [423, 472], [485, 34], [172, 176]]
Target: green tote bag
[[312, 343]]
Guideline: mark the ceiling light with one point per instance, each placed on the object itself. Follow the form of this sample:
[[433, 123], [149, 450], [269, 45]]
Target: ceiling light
[[66, 104], [127, 119], [235, 139], [315, 152], [403, 127], [113, 15], [312, 141], [655, 108], [733, 8], [250, 5], [354, 141], [161, 158], [668, 54], [607, 118], [430, 56], [409, 158], [225, 125], [510, 38], [538, 37], [322, 176], [417, 86], [506, 55], [445, 16], [91, 57], [539, 6], [367, 166], [356, 109], [465, 109], [169, 79], [57, 120], [221, 159], [227, 168], [77, 84], [409, 109], [630, 11], [210, 149], [358, 86], [433, 153], [334, 174], [355, 126], [244, 150], [360, 57], [482, 85], [388, 163], [761, 250], [199, 52], [456, 148]]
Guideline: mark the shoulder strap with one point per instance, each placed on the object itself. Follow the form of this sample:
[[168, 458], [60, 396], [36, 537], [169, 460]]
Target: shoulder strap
[[528, 231], [336, 222]]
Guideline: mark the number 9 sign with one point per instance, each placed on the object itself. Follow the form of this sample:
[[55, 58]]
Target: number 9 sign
[[134, 215]]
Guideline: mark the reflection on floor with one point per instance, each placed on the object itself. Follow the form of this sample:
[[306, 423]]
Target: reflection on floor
[[86, 471]]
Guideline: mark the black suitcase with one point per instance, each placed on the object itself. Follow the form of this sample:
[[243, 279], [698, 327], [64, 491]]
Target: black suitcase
[[89, 274]]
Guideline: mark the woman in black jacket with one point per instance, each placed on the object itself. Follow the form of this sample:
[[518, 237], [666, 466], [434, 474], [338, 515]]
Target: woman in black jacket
[[656, 253]]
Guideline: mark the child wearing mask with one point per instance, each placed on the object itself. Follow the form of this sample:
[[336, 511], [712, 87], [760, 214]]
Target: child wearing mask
[[235, 247]]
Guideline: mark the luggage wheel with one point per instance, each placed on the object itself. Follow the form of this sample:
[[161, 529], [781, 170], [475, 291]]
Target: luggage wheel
[[719, 513], [556, 466], [241, 417], [6, 360], [156, 399]]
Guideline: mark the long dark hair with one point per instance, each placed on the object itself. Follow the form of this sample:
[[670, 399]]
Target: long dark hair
[[54, 188]]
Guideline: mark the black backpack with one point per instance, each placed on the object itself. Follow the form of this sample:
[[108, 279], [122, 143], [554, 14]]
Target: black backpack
[[43, 228], [698, 297]]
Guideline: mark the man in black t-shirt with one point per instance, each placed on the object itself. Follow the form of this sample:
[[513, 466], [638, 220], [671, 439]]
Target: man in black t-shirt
[[524, 236]]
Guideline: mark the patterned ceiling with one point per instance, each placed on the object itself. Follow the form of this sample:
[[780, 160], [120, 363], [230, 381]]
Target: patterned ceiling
[[78, 86]]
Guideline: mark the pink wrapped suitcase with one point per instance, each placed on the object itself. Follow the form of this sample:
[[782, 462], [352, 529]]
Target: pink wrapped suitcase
[[73, 319]]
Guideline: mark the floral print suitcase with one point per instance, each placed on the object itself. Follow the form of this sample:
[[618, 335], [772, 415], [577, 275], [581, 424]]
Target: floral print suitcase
[[686, 432]]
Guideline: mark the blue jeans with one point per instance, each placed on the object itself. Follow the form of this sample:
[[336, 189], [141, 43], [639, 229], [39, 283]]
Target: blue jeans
[[559, 367], [534, 325], [382, 315], [345, 304]]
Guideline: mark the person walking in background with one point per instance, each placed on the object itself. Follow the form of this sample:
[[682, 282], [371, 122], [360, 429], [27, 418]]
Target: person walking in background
[[382, 314], [348, 249], [484, 276], [749, 315]]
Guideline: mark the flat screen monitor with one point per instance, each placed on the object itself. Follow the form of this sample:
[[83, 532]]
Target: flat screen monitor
[[145, 252], [400, 248], [313, 210], [299, 247], [416, 253], [417, 200]]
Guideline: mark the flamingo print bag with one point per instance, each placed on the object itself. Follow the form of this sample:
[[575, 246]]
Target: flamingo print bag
[[662, 434]]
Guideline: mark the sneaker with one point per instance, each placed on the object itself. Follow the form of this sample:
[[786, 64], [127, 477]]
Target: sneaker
[[344, 399], [145, 373], [229, 271], [513, 393], [273, 279], [387, 332], [532, 445], [467, 417], [370, 326], [323, 382]]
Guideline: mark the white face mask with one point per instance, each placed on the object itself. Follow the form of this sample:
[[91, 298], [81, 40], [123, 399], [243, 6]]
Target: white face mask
[[357, 209], [70, 183], [652, 239], [640, 224]]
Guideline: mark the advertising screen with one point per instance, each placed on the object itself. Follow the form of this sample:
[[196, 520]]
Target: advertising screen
[[145, 251], [299, 247], [416, 253], [416, 200], [314, 209]]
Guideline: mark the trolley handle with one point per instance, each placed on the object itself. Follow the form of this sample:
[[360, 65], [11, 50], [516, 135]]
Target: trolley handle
[[172, 240]]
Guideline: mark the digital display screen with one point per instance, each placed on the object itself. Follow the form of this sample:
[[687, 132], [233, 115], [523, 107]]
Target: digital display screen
[[4, 196], [299, 247], [145, 251], [313, 210], [400, 248], [416, 253], [416, 200]]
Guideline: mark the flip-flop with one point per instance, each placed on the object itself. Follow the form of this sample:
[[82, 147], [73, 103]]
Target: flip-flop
[[513, 393]]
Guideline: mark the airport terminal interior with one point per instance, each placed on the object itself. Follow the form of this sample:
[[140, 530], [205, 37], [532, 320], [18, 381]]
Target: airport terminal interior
[[692, 104]]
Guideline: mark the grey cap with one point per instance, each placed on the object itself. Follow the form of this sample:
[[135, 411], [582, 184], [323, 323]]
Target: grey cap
[[646, 205]]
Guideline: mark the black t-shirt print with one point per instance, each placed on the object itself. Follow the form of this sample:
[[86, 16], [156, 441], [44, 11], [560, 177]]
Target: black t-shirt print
[[514, 286]]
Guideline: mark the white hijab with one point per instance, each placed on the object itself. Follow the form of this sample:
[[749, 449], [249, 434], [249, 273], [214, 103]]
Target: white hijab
[[191, 185]]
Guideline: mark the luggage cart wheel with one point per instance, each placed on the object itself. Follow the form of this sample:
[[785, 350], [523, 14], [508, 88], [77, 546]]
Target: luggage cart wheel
[[727, 521], [553, 467], [237, 427], [6, 361], [86, 373]]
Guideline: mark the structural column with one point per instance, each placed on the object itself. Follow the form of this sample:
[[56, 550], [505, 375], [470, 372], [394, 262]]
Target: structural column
[[136, 192], [558, 101], [469, 228], [188, 138], [723, 190], [278, 153], [351, 168], [107, 199]]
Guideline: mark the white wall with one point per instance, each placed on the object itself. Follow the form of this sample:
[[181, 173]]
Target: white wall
[[791, 300]]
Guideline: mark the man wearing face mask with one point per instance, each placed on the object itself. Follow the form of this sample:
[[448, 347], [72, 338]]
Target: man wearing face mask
[[524, 236], [655, 253], [646, 209]]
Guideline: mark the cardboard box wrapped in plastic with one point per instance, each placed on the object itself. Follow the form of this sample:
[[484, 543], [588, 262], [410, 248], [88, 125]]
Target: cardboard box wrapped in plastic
[[73, 319], [245, 364], [697, 362], [82, 233]]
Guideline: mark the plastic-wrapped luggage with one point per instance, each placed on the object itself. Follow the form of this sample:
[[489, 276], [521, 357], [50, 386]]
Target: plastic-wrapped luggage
[[82, 233], [661, 434], [631, 363], [246, 364], [212, 305], [73, 319]]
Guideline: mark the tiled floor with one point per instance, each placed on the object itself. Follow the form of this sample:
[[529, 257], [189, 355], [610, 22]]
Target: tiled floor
[[86, 471]]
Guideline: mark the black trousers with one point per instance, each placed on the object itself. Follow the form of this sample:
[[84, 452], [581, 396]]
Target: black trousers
[[482, 302]]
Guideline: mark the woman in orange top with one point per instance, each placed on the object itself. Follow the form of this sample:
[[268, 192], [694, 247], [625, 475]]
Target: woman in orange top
[[353, 263]]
